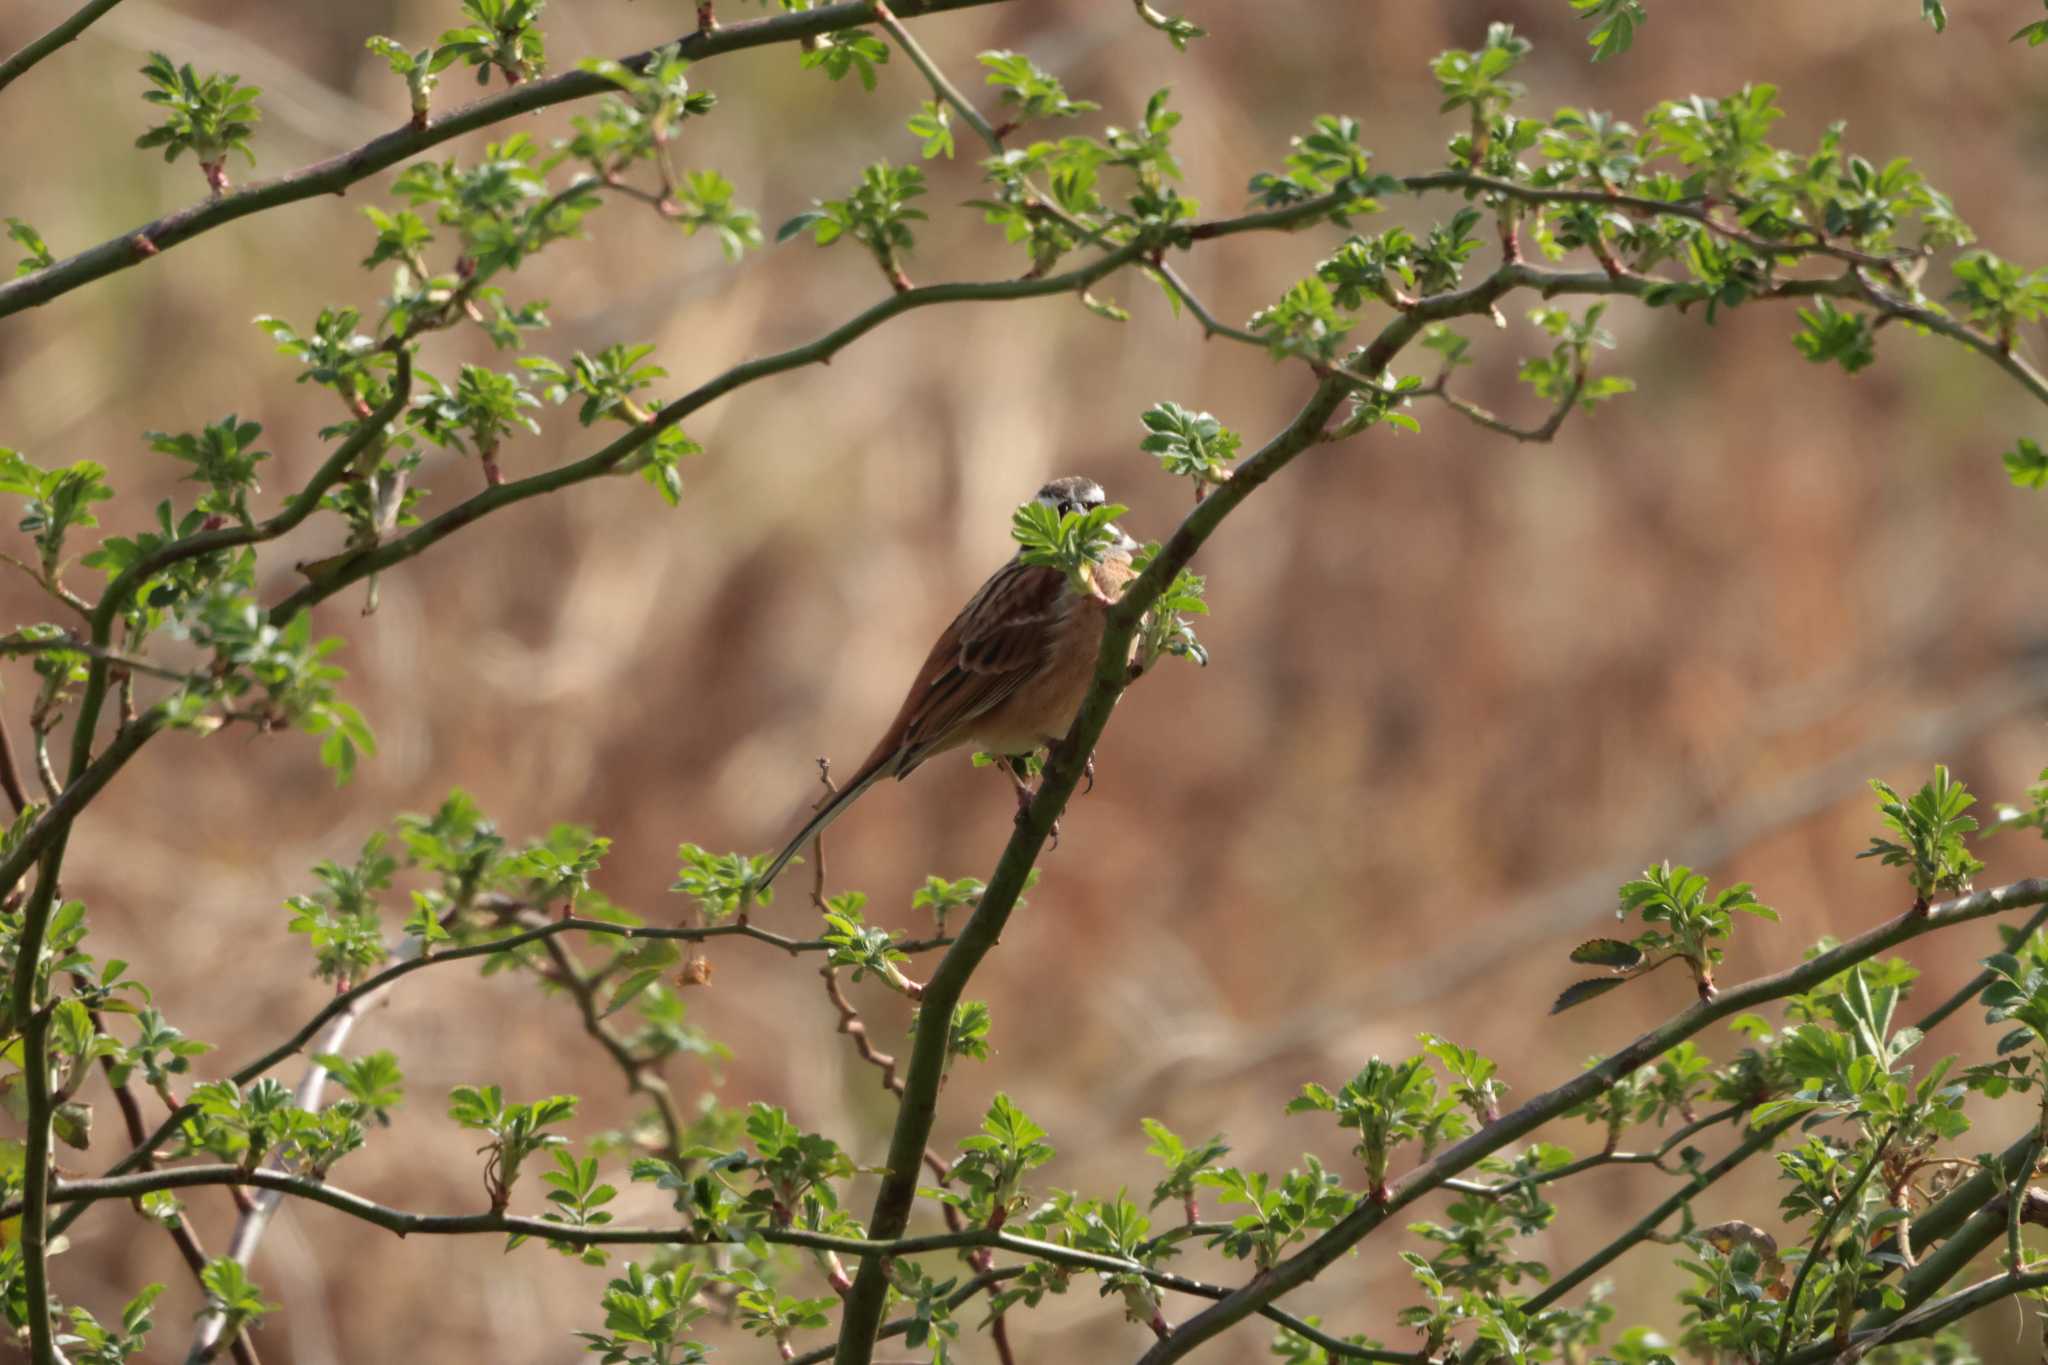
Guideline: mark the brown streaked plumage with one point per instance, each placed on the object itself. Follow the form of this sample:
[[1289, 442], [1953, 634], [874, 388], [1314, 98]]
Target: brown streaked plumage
[[1007, 676]]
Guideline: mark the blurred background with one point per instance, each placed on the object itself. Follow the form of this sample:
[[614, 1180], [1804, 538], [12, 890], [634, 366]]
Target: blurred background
[[1461, 688]]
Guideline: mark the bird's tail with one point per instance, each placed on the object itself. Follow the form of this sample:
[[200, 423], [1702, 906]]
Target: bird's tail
[[816, 825]]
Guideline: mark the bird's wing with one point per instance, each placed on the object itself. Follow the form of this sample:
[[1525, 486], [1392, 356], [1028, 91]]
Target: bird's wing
[[1000, 639]]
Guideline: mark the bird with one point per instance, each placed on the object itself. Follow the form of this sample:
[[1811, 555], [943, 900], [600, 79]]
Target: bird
[[1007, 676]]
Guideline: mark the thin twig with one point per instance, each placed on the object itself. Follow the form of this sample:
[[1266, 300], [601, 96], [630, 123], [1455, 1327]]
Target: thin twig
[[583, 988], [1814, 244], [18, 643], [1475, 413], [941, 87]]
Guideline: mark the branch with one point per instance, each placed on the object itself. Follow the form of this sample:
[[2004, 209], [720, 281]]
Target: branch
[[1307, 1263], [583, 988], [941, 87], [18, 65], [1486, 419], [350, 999], [255, 1219], [1820, 1240], [336, 174], [1936, 1223], [1931, 1318], [19, 644], [862, 1318], [1696, 211], [1859, 262], [893, 1202], [1597, 1159], [1974, 987], [35, 1202], [87, 775], [986, 1280], [1212, 326], [1919, 315], [178, 1225], [1646, 1226], [871, 1250], [611, 457]]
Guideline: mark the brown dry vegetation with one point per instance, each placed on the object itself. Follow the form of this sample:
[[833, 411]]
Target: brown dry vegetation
[[1461, 687]]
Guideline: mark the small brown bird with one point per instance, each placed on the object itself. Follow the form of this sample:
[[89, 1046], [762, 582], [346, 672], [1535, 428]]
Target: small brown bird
[[1008, 676]]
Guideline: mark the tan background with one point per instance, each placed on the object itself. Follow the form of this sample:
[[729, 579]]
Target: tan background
[[1461, 687]]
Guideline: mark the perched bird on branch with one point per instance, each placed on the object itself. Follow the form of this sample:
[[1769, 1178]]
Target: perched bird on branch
[[1009, 674]]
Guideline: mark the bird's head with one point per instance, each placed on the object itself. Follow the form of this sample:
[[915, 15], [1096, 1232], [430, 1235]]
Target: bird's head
[[1072, 494], [1077, 494]]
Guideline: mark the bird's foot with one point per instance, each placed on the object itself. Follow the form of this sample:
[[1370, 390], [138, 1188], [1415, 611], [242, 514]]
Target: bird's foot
[[1024, 795], [1088, 771]]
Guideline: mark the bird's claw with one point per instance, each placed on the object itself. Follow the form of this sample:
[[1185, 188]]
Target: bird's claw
[[1024, 795], [1088, 771]]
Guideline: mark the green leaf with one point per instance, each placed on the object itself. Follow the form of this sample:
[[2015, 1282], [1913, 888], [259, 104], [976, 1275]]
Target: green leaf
[[1607, 952], [1614, 25], [2026, 464], [1578, 993]]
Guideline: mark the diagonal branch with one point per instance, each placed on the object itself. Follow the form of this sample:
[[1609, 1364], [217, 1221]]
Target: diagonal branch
[[894, 1200], [336, 174], [616, 455], [943, 88], [17, 65], [1302, 1267], [862, 1318]]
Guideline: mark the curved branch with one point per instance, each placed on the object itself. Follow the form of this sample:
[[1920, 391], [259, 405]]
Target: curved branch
[[336, 174], [406, 1223], [614, 455], [1919, 315], [349, 999], [17, 65], [1475, 413]]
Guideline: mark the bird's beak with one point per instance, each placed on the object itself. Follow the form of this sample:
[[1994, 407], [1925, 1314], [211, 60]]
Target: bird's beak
[[1124, 543]]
